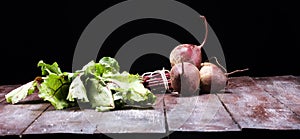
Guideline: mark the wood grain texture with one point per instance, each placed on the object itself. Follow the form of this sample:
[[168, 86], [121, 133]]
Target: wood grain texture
[[254, 108], [71, 120], [202, 113], [284, 88], [17, 118], [131, 120]]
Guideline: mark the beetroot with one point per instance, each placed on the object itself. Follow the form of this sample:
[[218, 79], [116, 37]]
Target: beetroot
[[188, 52], [212, 78], [185, 79]]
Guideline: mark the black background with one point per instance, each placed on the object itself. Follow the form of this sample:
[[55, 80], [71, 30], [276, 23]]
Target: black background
[[263, 37]]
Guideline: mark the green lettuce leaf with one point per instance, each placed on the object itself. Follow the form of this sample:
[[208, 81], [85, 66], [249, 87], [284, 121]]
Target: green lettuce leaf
[[99, 84], [77, 90], [110, 65], [47, 69], [106, 88], [55, 88], [20, 93], [131, 89], [100, 96], [55, 85]]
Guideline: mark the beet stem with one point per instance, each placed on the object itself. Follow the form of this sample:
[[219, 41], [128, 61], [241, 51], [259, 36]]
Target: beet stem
[[236, 71], [206, 32], [163, 74], [156, 84], [219, 63], [165, 80], [156, 81], [182, 67], [156, 73]]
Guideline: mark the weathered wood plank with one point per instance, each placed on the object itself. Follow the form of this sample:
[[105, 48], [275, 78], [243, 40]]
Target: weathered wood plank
[[85, 121], [254, 108], [71, 120], [285, 88], [129, 121], [265, 117], [202, 113], [132, 120], [295, 108], [16, 118]]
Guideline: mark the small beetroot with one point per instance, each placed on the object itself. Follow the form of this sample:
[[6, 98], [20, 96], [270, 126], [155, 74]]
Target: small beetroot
[[185, 79], [188, 52], [212, 78]]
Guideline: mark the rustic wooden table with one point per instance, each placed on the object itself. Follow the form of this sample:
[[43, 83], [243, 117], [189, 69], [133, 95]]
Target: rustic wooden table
[[251, 106]]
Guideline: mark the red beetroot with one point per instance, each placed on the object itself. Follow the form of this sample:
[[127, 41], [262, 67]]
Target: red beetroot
[[188, 52], [185, 79], [212, 78]]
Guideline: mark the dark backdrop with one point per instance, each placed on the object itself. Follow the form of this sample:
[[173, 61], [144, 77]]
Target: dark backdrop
[[263, 37]]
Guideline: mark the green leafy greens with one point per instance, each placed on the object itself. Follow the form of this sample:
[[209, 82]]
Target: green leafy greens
[[99, 84]]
